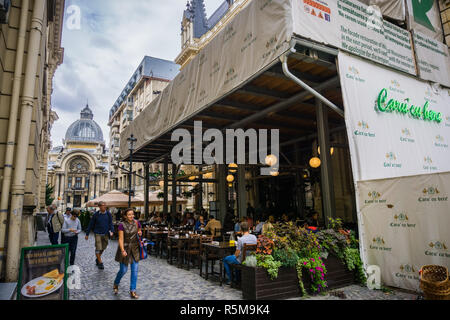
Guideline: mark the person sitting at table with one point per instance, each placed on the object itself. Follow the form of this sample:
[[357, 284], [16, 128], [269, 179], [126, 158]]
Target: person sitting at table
[[236, 258], [312, 222], [249, 220], [156, 219], [188, 220], [200, 224], [213, 226], [237, 226], [259, 225], [268, 225]]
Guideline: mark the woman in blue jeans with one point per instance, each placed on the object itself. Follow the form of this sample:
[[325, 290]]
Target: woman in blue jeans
[[128, 251]]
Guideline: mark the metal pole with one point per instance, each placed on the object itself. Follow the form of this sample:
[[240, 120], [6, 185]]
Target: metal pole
[[129, 178], [166, 186], [174, 190], [327, 187], [146, 189]]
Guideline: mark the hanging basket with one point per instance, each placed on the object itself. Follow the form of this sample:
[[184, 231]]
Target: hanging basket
[[435, 283]]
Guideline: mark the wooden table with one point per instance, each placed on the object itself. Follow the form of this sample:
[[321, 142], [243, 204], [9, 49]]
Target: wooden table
[[222, 250], [181, 243], [158, 237]]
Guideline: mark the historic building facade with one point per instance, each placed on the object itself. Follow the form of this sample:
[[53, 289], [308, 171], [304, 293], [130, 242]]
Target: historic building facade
[[78, 170], [147, 82], [30, 52], [197, 30]]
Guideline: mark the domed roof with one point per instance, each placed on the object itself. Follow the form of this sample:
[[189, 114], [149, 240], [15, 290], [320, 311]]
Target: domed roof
[[85, 129]]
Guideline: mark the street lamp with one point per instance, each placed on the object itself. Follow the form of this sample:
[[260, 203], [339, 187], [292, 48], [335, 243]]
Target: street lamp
[[131, 141]]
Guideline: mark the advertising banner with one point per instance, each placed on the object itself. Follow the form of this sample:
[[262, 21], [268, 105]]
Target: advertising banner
[[397, 125], [433, 59], [394, 9], [42, 274], [404, 226], [398, 129], [356, 28]]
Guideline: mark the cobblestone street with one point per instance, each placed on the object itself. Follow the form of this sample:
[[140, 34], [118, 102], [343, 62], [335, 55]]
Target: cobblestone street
[[157, 280]]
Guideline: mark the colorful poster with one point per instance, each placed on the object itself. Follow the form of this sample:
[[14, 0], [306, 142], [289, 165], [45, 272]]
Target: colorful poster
[[42, 274]]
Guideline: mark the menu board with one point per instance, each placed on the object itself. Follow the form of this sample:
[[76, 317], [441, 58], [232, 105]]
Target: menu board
[[42, 274]]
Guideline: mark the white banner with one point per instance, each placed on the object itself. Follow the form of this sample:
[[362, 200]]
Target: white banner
[[404, 225], [398, 129], [355, 28], [394, 9], [433, 59], [397, 125]]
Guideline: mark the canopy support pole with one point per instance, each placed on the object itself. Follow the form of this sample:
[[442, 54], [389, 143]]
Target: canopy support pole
[[174, 190], [166, 185], [146, 189], [326, 172]]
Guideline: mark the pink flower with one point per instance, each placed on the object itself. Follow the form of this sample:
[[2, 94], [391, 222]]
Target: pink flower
[[311, 270], [312, 259], [304, 263]]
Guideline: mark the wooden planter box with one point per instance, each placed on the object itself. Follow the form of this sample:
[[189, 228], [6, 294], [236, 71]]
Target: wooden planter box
[[257, 285]]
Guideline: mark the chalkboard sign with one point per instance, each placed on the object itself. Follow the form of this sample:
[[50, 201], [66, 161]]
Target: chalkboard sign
[[43, 273]]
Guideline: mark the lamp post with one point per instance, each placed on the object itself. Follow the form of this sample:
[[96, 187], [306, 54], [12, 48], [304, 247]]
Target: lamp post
[[131, 141]]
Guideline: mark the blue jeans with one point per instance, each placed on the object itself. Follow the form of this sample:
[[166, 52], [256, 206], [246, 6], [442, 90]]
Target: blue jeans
[[73, 242], [134, 273], [53, 236], [226, 263]]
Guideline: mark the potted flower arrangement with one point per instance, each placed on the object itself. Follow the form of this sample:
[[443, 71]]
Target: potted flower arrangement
[[291, 261]]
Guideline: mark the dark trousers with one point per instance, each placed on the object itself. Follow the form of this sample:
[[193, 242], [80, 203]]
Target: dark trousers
[[73, 242], [53, 236]]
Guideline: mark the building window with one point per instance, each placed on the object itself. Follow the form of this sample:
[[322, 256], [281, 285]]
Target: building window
[[78, 182], [69, 183], [68, 199], [87, 183]]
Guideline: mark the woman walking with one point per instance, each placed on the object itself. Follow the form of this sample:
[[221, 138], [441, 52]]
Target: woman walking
[[128, 250], [71, 228]]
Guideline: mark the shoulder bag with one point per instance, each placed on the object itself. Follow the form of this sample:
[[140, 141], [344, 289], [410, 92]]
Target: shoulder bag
[[142, 247]]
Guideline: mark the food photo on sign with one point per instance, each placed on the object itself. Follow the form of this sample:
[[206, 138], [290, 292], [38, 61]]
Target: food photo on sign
[[42, 274]]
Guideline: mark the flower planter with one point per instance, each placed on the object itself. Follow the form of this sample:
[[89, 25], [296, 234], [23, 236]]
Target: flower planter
[[257, 285]]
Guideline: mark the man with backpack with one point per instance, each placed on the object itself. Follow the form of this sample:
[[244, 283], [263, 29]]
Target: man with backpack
[[102, 226], [54, 224]]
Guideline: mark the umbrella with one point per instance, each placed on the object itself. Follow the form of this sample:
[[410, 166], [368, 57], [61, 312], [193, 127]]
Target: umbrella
[[154, 200], [115, 199]]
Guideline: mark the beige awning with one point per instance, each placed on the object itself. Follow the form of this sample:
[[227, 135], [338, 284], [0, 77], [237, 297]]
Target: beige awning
[[115, 199], [154, 200]]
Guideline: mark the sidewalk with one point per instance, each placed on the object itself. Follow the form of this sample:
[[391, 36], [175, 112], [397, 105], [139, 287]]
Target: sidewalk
[[157, 280]]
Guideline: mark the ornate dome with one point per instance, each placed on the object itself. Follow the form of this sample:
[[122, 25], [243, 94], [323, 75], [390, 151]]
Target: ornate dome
[[85, 129]]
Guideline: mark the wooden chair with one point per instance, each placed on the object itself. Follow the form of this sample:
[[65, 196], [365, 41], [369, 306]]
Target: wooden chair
[[206, 258], [218, 234], [171, 247], [192, 250], [238, 267]]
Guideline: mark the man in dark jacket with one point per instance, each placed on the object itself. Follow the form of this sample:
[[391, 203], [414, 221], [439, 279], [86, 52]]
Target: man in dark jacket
[[101, 223]]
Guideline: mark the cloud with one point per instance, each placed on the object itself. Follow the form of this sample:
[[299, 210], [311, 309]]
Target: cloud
[[101, 56]]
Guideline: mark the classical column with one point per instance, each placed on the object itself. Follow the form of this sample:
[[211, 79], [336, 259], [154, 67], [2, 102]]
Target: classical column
[[95, 185], [146, 189], [174, 190]]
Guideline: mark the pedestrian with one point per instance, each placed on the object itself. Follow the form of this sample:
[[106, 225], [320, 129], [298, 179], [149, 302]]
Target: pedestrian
[[54, 224], [128, 251], [66, 215], [101, 224], [71, 229]]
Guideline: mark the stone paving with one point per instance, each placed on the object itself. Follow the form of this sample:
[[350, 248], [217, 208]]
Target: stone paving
[[158, 280]]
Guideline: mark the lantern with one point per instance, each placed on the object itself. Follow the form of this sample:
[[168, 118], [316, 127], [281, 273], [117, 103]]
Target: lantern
[[230, 185], [274, 173], [314, 162], [161, 183], [331, 150], [230, 178], [271, 160], [232, 167], [192, 178]]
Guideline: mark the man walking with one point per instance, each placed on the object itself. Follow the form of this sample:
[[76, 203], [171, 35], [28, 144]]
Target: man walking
[[71, 229], [54, 224], [66, 215], [101, 224]]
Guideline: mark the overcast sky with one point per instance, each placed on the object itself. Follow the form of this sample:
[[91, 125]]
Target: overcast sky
[[101, 56]]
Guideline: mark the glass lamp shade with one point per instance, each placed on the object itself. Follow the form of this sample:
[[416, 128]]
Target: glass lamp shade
[[331, 150], [274, 173], [271, 160], [192, 178], [232, 167], [230, 178], [314, 162]]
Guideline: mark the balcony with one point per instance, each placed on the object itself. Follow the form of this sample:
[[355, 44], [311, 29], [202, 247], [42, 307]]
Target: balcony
[[116, 123]]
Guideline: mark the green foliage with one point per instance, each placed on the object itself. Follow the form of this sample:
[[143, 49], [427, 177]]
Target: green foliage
[[332, 241], [288, 257], [315, 267], [335, 224], [250, 261], [48, 194], [354, 263], [268, 262]]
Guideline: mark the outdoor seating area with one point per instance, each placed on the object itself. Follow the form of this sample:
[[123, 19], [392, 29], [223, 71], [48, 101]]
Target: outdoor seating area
[[289, 259]]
